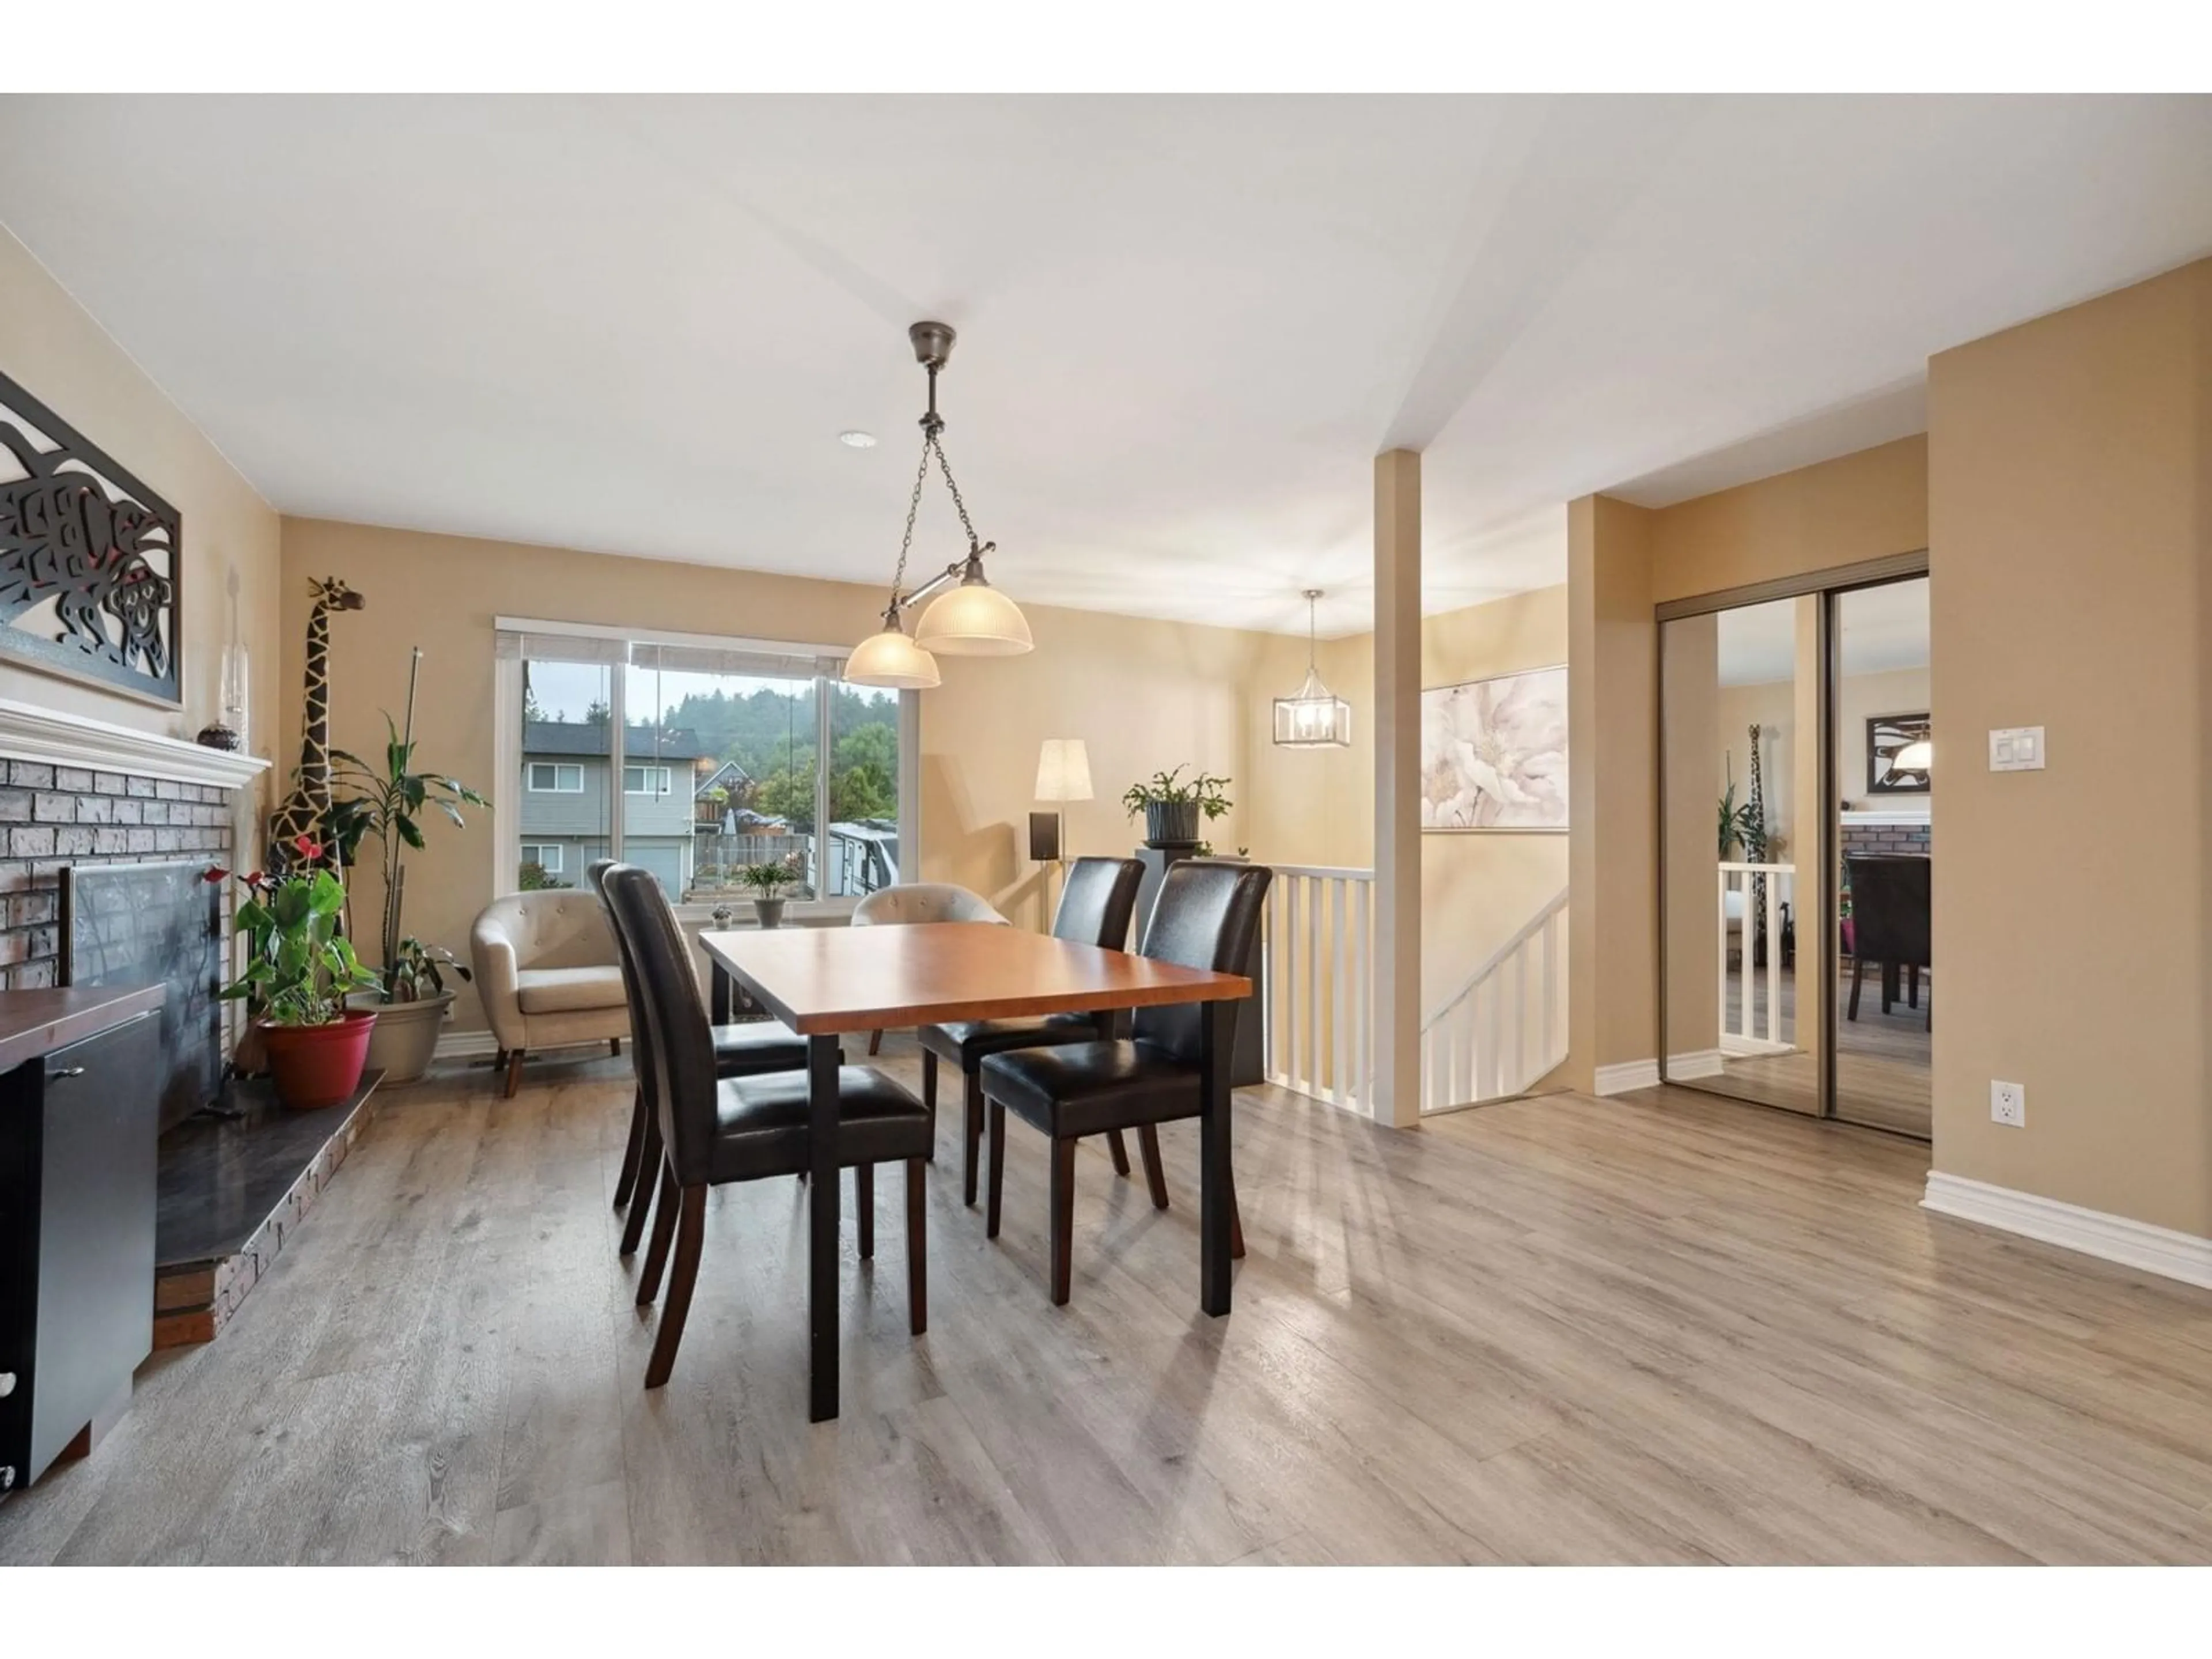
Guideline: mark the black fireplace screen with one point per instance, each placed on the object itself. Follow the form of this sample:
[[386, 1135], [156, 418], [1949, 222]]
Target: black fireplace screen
[[141, 924]]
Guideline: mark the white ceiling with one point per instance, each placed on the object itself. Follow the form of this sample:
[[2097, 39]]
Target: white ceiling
[[637, 324], [1882, 629]]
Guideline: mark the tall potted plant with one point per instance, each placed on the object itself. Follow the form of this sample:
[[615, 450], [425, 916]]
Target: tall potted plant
[[1173, 805], [387, 805], [299, 971]]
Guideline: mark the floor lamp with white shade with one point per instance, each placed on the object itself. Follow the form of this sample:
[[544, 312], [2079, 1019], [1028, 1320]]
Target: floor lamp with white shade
[[1063, 775]]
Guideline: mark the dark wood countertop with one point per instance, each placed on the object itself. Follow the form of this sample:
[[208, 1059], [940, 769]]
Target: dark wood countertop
[[34, 1024]]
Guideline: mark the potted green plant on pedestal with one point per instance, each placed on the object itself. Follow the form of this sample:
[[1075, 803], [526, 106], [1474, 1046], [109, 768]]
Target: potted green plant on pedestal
[[299, 971], [387, 805], [1173, 805], [768, 880]]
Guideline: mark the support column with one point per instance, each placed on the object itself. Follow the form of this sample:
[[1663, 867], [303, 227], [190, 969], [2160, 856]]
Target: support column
[[1397, 788], [1613, 830]]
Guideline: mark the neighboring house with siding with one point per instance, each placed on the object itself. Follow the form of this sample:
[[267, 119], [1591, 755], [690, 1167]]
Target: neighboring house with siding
[[569, 798]]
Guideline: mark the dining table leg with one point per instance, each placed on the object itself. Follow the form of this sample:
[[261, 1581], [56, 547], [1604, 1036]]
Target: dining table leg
[[1215, 1191], [822, 1191]]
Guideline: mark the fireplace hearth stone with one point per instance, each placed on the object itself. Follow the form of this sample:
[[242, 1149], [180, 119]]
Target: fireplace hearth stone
[[232, 1189]]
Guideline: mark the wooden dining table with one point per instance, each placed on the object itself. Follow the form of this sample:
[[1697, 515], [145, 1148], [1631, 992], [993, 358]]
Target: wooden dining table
[[825, 981]]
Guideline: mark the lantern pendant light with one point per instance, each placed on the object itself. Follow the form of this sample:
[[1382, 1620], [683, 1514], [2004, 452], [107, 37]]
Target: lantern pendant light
[[1314, 717], [974, 618]]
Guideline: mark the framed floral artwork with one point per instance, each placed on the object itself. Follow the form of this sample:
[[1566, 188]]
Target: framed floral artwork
[[1494, 754]]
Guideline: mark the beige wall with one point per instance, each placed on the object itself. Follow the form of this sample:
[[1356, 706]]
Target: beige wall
[[1613, 760], [2071, 511], [1143, 696], [1317, 806], [57, 352], [2068, 480], [1862, 506]]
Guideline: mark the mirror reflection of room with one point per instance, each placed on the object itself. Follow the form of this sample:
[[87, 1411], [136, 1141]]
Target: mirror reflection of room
[[1885, 774], [1741, 789]]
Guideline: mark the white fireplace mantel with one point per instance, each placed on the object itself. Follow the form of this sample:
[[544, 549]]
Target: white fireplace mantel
[[28, 732]]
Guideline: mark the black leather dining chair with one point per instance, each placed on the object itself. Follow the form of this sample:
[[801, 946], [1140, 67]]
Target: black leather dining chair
[[1095, 904], [744, 1049], [1206, 914], [717, 1130], [1890, 924]]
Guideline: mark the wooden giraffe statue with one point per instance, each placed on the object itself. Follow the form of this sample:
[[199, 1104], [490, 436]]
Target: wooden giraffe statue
[[308, 805]]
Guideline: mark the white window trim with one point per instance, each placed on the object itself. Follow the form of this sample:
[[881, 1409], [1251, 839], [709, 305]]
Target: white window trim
[[507, 757], [667, 780], [543, 846], [558, 768], [663, 636]]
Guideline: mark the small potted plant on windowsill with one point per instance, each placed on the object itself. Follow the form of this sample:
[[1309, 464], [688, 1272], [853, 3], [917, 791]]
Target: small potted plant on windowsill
[[1173, 805], [768, 880], [298, 970]]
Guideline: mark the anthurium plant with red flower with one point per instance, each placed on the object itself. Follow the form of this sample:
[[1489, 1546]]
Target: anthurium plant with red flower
[[298, 967]]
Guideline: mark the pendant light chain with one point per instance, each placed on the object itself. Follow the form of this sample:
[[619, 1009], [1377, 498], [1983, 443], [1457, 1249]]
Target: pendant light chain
[[913, 507], [933, 423], [945, 467]]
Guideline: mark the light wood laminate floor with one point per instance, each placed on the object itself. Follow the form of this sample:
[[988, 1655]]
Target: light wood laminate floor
[[1659, 1327], [1884, 1076]]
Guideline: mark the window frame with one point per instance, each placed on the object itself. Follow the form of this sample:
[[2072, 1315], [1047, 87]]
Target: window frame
[[508, 757], [556, 768], [522, 850], [643, 768]]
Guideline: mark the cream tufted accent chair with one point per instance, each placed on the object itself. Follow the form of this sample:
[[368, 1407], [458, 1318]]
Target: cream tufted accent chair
[[920, 901], [548, 972], [924, 901]]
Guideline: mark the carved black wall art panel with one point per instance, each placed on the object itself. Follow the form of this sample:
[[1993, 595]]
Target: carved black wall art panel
[[91, 560]]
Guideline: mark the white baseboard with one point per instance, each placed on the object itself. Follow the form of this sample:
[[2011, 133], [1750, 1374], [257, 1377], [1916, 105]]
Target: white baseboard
[[1628, 1074], [1748, 1048], [1706, 1062], [2159, 1250]]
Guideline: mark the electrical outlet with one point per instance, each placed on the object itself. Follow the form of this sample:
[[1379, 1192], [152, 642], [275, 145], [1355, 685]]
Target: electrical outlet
[[2009, 1105]]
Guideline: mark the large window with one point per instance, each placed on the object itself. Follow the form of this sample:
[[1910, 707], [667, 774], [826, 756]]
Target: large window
[[726, 755], [562, 822]]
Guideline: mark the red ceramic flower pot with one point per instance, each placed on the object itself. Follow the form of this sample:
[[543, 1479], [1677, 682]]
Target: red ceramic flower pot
[[318, 1064]]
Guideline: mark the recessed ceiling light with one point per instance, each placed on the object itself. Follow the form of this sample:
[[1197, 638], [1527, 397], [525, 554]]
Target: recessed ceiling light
[[857, 439]]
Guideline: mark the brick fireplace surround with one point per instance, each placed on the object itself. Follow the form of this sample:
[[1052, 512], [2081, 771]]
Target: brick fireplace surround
[[1870, 835], [78, 791], [52, 816]]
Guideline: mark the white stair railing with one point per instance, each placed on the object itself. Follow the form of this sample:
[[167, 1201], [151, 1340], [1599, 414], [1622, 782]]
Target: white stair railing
[[1752, 900], [1320, 962], [1503, 1030]]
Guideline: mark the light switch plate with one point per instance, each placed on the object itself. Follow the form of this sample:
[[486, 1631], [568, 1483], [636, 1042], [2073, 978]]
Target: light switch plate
[[2016, 749]]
